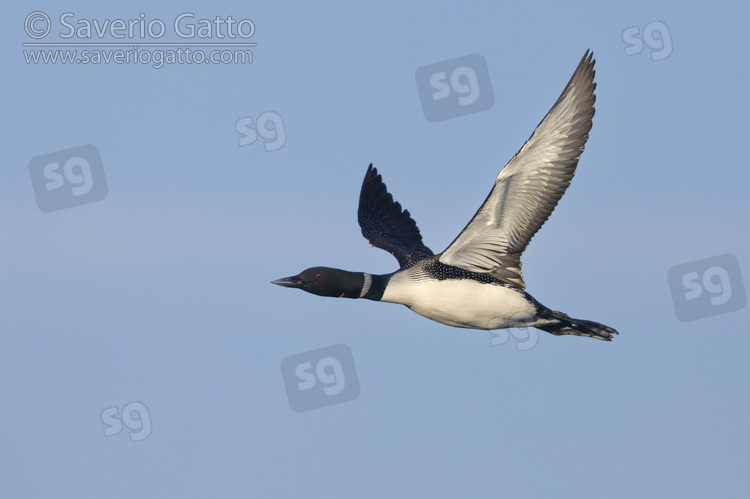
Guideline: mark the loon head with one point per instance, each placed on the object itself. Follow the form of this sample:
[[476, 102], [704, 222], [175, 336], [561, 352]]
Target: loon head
[[325, 281]]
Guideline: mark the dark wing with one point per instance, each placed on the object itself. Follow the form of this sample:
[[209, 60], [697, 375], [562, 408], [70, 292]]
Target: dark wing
[[529, 187], [386, 225]]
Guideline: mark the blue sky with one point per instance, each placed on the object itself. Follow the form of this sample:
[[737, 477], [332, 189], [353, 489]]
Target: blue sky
[[156, 297]]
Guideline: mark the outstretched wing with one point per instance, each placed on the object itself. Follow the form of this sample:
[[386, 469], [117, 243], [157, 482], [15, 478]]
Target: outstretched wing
[[386, 225], [527, 190]]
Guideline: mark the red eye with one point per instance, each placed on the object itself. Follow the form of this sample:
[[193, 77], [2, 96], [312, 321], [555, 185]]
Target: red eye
[[318, 276]]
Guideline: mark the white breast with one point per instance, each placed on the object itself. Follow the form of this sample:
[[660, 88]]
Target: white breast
[[462, 303]]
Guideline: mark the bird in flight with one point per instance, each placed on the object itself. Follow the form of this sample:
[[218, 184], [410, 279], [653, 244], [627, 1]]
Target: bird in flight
[[477, 282]]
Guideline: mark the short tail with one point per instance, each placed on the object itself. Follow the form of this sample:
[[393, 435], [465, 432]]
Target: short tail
[[567, 325]]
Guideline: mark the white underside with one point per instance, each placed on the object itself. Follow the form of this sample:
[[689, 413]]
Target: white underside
[[462, 303]]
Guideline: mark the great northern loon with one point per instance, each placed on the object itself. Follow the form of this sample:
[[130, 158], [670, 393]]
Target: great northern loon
[[477, 281]]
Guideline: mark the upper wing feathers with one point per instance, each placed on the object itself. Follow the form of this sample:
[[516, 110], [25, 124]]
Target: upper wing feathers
[[386, 225], [527, 190]]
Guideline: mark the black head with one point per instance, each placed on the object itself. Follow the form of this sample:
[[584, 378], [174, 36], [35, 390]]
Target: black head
[[325, 281]]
